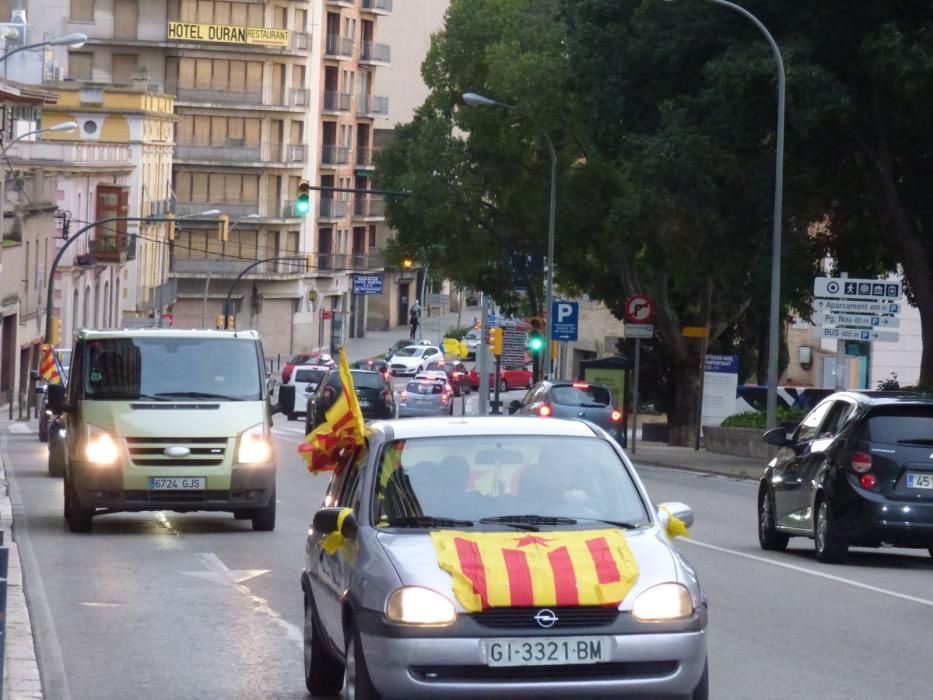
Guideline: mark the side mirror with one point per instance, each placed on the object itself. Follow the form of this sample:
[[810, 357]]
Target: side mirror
[[675, 509], [777, 437], [328, 520], [33, 375], [514, 405], [286, 400], [56, 398]]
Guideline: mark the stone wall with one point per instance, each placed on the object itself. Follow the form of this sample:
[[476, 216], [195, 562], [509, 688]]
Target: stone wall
[[741, 442]]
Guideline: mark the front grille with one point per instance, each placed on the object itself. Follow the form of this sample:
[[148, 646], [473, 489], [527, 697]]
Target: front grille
[[184, 406], [150, 452], [524, 618], [176, 496], [544, 674], [401, 368]]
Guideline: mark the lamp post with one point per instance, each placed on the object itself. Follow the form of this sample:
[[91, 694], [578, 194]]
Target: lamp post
[[207, 279], [475, 100], [255, 263], [72, 41], [775, 306]]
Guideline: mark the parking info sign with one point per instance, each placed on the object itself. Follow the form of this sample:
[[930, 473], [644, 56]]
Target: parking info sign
[[566, 317], [367, 284]]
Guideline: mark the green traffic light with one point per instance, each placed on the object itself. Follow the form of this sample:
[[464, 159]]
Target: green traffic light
[[535, 341], [302, 205]]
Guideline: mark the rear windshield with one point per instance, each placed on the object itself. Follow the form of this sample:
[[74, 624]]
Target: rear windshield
[[309, 375], [581, 396], [437, 367], [425, 387], [368, 380], [904, 425]]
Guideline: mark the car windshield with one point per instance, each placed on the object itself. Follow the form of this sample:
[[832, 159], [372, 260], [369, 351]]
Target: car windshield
[[409, 352], [367, 380], [581, 395], [437, 367], [312, 376], [471, 479], [171, 369]]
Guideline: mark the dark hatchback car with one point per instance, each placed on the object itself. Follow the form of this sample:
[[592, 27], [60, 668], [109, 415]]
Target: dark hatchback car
[[377, 400], [457, 375], [373, 364], [857, 472], [592, 402]]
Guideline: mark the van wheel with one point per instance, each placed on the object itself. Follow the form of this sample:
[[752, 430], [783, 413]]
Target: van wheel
[[264, 518], [78, 518]]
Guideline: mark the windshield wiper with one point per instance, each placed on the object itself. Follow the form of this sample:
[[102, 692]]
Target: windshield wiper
[[615, 523], [527, 522], [427, 521], [117, 396], [198, 395]]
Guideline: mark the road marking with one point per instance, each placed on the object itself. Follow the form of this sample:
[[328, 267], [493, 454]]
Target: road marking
[[812, 572], [219, 573]]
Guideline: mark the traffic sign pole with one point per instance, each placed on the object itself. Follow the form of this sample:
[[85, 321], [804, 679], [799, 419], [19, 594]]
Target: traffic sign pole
[[635, 393]]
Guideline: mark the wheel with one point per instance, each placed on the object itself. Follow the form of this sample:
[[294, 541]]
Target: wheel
[[768, 536], [56, 458], [359, 684], [701, 692], [307, 426], [930, 550], [78, 518], [264, 518], [830, 547], [43, 427], [323, 673], [291, 416]]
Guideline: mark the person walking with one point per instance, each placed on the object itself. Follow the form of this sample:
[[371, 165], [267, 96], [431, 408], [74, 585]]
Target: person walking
[[414, 323]]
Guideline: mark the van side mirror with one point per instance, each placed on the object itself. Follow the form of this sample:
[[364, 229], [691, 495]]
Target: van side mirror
[[514, 405], [56, 398], [777, 437]]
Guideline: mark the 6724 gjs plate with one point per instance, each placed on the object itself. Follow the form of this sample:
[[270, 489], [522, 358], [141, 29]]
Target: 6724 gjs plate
[[177, 483]]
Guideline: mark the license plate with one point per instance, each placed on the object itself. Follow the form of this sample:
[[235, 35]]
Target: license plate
[[364, 402], [546, 651], [919, 481], [177, 483]]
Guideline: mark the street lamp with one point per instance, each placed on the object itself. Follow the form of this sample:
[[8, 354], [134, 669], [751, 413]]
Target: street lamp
[[775, 310], [72, 41], [207, 279], [475, 100]]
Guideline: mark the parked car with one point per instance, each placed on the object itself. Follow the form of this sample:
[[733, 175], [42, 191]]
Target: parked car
[[373, 364], [857, 472], [63, 355], [425, 397], [402, 600], [592, 402], [413, 359], [404, 343], [373, 391], [509, 378], [304, 379], [457, 375], [306, 358], [472, 340]]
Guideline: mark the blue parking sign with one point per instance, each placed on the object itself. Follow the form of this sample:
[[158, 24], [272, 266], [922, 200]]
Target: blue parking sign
[[565, 320]]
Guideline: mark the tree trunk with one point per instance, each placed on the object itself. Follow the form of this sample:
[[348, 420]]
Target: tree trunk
[[681, 419]]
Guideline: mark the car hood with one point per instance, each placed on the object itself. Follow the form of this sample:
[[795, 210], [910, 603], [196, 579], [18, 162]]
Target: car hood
[[402, 360], [415, 560]]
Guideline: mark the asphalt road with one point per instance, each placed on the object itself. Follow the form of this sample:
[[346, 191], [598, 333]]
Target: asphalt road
[[168, 606]]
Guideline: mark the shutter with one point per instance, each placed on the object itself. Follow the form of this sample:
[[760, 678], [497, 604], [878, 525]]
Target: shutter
[[232, 188], [125, 19], [199, 188], [254, 15], [252, 132], [238, 14], [222, 13], [235, 128], [280, 17], [218, 131], [80, 65], [251, 189], [205, 12], [81, 10], [237, 76], [189, 11], [124, 65], [183, 186], [220, 79], [186, 71], [202, 73], [216, 191], [202, 129], [254, 77], [185, 128]]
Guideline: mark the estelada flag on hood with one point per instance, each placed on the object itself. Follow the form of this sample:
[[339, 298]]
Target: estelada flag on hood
[[537, 569], [342, 430], [48, 365]]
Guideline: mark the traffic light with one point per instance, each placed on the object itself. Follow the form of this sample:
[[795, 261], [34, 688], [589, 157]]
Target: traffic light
[[223, 228], [55, 336], [303, 202], [535, 342], [495, 339], [221, 322]]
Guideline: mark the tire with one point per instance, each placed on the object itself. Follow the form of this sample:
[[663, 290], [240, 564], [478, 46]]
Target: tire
[[829, 546], [503, 386], [768, 536], [359, 684], [323, 673], [307, 426], [43, 427], [930, 550], [56, 458], [701, 692], [79, 519], [264, 518]]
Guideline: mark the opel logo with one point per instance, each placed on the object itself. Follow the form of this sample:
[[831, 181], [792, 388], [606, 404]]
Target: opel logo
[[546, 618], [176, 451]]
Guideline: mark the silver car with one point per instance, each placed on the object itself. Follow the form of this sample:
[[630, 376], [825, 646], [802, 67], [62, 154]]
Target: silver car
[[428, 396], [498, 558]]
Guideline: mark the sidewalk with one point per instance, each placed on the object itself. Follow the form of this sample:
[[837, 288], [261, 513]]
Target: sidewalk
[[433, 328], [689, 459]]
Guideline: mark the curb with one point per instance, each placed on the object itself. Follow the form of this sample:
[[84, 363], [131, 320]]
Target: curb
[[741, 475], [21, 678]]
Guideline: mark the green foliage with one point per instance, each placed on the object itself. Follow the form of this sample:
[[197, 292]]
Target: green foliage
[[457, 333], [758, 419]]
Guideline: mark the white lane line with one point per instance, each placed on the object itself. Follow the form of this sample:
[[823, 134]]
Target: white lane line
[[811, 572]]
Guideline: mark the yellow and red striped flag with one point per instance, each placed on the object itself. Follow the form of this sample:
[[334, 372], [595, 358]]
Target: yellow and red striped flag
[[48, 366], [537, 569], [343, 427]]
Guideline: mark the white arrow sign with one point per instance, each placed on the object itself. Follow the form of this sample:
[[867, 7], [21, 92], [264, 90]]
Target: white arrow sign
[[836, 333], [861, 320], [865, 307], [851, 288]]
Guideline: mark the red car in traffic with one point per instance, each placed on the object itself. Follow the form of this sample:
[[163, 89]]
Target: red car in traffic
[[306, 358], [510, 378]]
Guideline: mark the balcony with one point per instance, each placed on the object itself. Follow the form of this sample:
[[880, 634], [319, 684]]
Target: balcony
[[364, 158], [343, 262], [380, 7], [159, 207], [236, 152], [338, 46], [371, 52], [369, 208], [234, 211], [342, 3], [337, 101], [250, 99], [112, 247], [221, 267], [332, 208], [335, 155], [372, 106], [300, 41]]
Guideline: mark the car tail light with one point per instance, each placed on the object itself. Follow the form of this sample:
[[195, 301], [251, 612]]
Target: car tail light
[[387, 397], [544, 410], [444, 397], [580, 385], [616, 416], [328, 393], [286, 374], [868, 481], [458, 374], [861, 462]]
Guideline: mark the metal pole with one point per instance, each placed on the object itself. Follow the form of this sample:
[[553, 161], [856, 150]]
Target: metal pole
[[549, 295], [482, 368], [246, 269], [423, 301], [495, 401], [635, 393], [207, 282], [775, 307]]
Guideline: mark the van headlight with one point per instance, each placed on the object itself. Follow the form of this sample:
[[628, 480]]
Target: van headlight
[[100, 447], [667, 601], [414, 605], [255, 447]]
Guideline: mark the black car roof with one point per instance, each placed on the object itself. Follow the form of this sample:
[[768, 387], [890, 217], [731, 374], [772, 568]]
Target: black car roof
[[881, 398]]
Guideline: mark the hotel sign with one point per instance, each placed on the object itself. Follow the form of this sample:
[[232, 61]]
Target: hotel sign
[[223, 34]]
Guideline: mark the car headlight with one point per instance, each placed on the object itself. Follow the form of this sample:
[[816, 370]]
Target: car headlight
[[414, 605], [255, 447], [667, 601], [100, 447]]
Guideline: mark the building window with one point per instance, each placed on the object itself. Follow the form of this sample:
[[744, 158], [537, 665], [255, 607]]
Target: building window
[[82, 10], [123, 67], [372, 236], [80, 65]]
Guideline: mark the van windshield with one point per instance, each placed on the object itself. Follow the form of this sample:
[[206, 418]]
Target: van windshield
[[171, 369]]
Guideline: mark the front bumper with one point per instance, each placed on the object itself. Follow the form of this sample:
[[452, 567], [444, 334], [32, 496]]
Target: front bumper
[[250, 488], [436, 666]]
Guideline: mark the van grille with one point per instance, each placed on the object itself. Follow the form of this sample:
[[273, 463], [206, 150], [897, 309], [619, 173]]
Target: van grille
[[150, 452]]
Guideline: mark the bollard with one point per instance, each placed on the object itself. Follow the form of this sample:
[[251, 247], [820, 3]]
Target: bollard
[[4, 571]]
